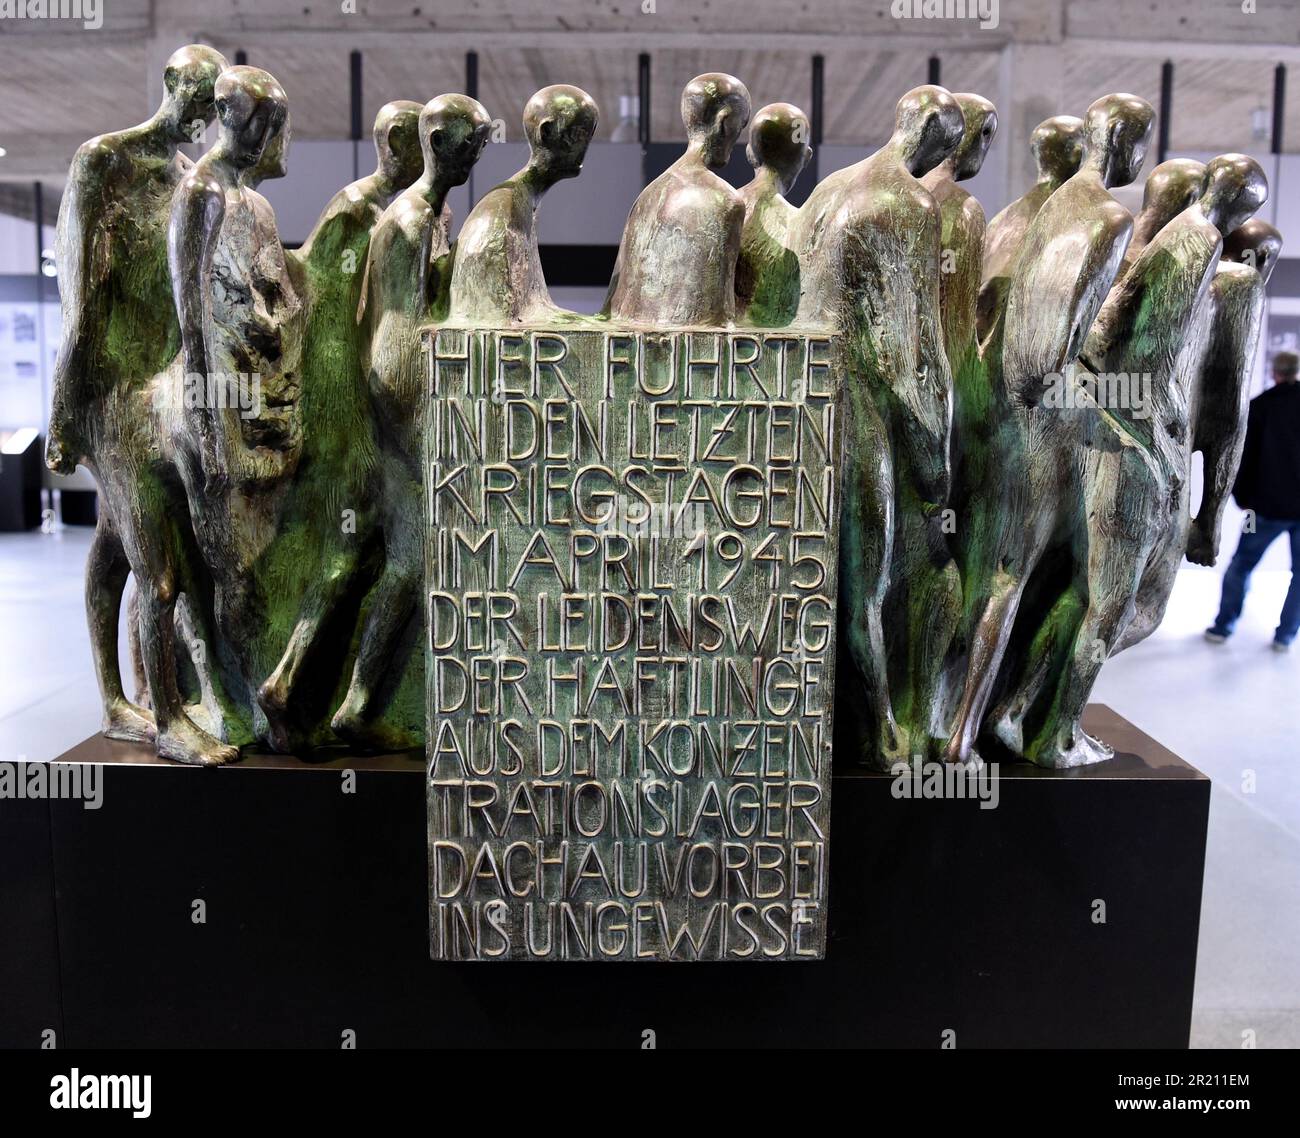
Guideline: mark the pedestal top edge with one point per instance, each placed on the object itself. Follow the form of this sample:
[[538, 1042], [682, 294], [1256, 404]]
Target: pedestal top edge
[[1137, 757]]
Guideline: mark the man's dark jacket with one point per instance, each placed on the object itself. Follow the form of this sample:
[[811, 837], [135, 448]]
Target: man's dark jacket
[[1268, 481]]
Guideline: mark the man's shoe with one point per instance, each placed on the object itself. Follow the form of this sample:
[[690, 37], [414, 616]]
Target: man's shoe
[[1215, 636], [1281, 646]]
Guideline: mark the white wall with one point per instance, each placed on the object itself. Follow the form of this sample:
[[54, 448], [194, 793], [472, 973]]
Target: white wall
[[18, 245]]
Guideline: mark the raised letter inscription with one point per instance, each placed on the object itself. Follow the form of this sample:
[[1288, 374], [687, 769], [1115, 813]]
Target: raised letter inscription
[[631, 579]]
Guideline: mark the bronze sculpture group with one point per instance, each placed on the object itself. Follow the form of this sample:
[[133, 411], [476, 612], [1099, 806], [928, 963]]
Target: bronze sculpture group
[[1021, 399]]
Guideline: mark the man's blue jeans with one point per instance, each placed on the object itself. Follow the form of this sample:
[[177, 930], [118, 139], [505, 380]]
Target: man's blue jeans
[[1250, 549]]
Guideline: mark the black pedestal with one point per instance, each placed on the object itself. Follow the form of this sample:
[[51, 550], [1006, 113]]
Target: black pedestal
[[944, 918], [20, 483]]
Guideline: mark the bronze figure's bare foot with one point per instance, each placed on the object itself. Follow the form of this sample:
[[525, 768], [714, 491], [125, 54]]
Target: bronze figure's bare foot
[[1008, 730], [185, 742], [126, 720], [203, 718], [892, 747], [1072, 749], [273, 699], [375, 736]]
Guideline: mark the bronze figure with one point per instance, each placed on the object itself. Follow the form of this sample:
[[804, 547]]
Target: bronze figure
[[767, 267], [1170, 188], [687, 218], [497, 275], [119, 333], [1057, 147], [1071, 256], [961, 263], [405, 286], [330, 505], [949, 535], [1222, 386], [869, 239], [1203, 408], [235, 413], [1136, 464]]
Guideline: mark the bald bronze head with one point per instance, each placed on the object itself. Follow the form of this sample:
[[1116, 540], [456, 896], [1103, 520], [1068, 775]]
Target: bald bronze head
[[1255, 243], [397, 142], [981, 124], [928, 126], [559, 122], [1118, 131], [1057, 145], [715, 109], [1233, 189], [1172, 186], [189, 80], [778, 141], [253, 111], [453, 130]]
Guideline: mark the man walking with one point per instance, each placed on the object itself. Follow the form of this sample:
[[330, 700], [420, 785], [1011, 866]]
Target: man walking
[[1268, 487]]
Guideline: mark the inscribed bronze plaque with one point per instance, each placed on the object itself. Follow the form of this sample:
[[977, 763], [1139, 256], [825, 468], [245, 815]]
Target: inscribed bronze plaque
[[631, 586]]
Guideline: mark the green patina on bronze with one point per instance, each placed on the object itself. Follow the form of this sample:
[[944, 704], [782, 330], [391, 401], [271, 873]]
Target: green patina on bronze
[[328, 551], [1007, 519], [120, 334]]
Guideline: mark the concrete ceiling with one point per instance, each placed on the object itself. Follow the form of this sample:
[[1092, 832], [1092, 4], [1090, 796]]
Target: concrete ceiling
[[62, 83]]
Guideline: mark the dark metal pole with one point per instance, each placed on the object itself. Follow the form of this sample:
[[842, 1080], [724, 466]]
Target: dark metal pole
[[354, 75], [643, 97], [241, 58], [471, 74], [934, 70], [1166, 108], [818, 97], [471, 89], [1279, 106], [38, 210]]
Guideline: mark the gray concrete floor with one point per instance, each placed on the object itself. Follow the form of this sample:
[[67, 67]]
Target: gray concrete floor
[[1232, 711]]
